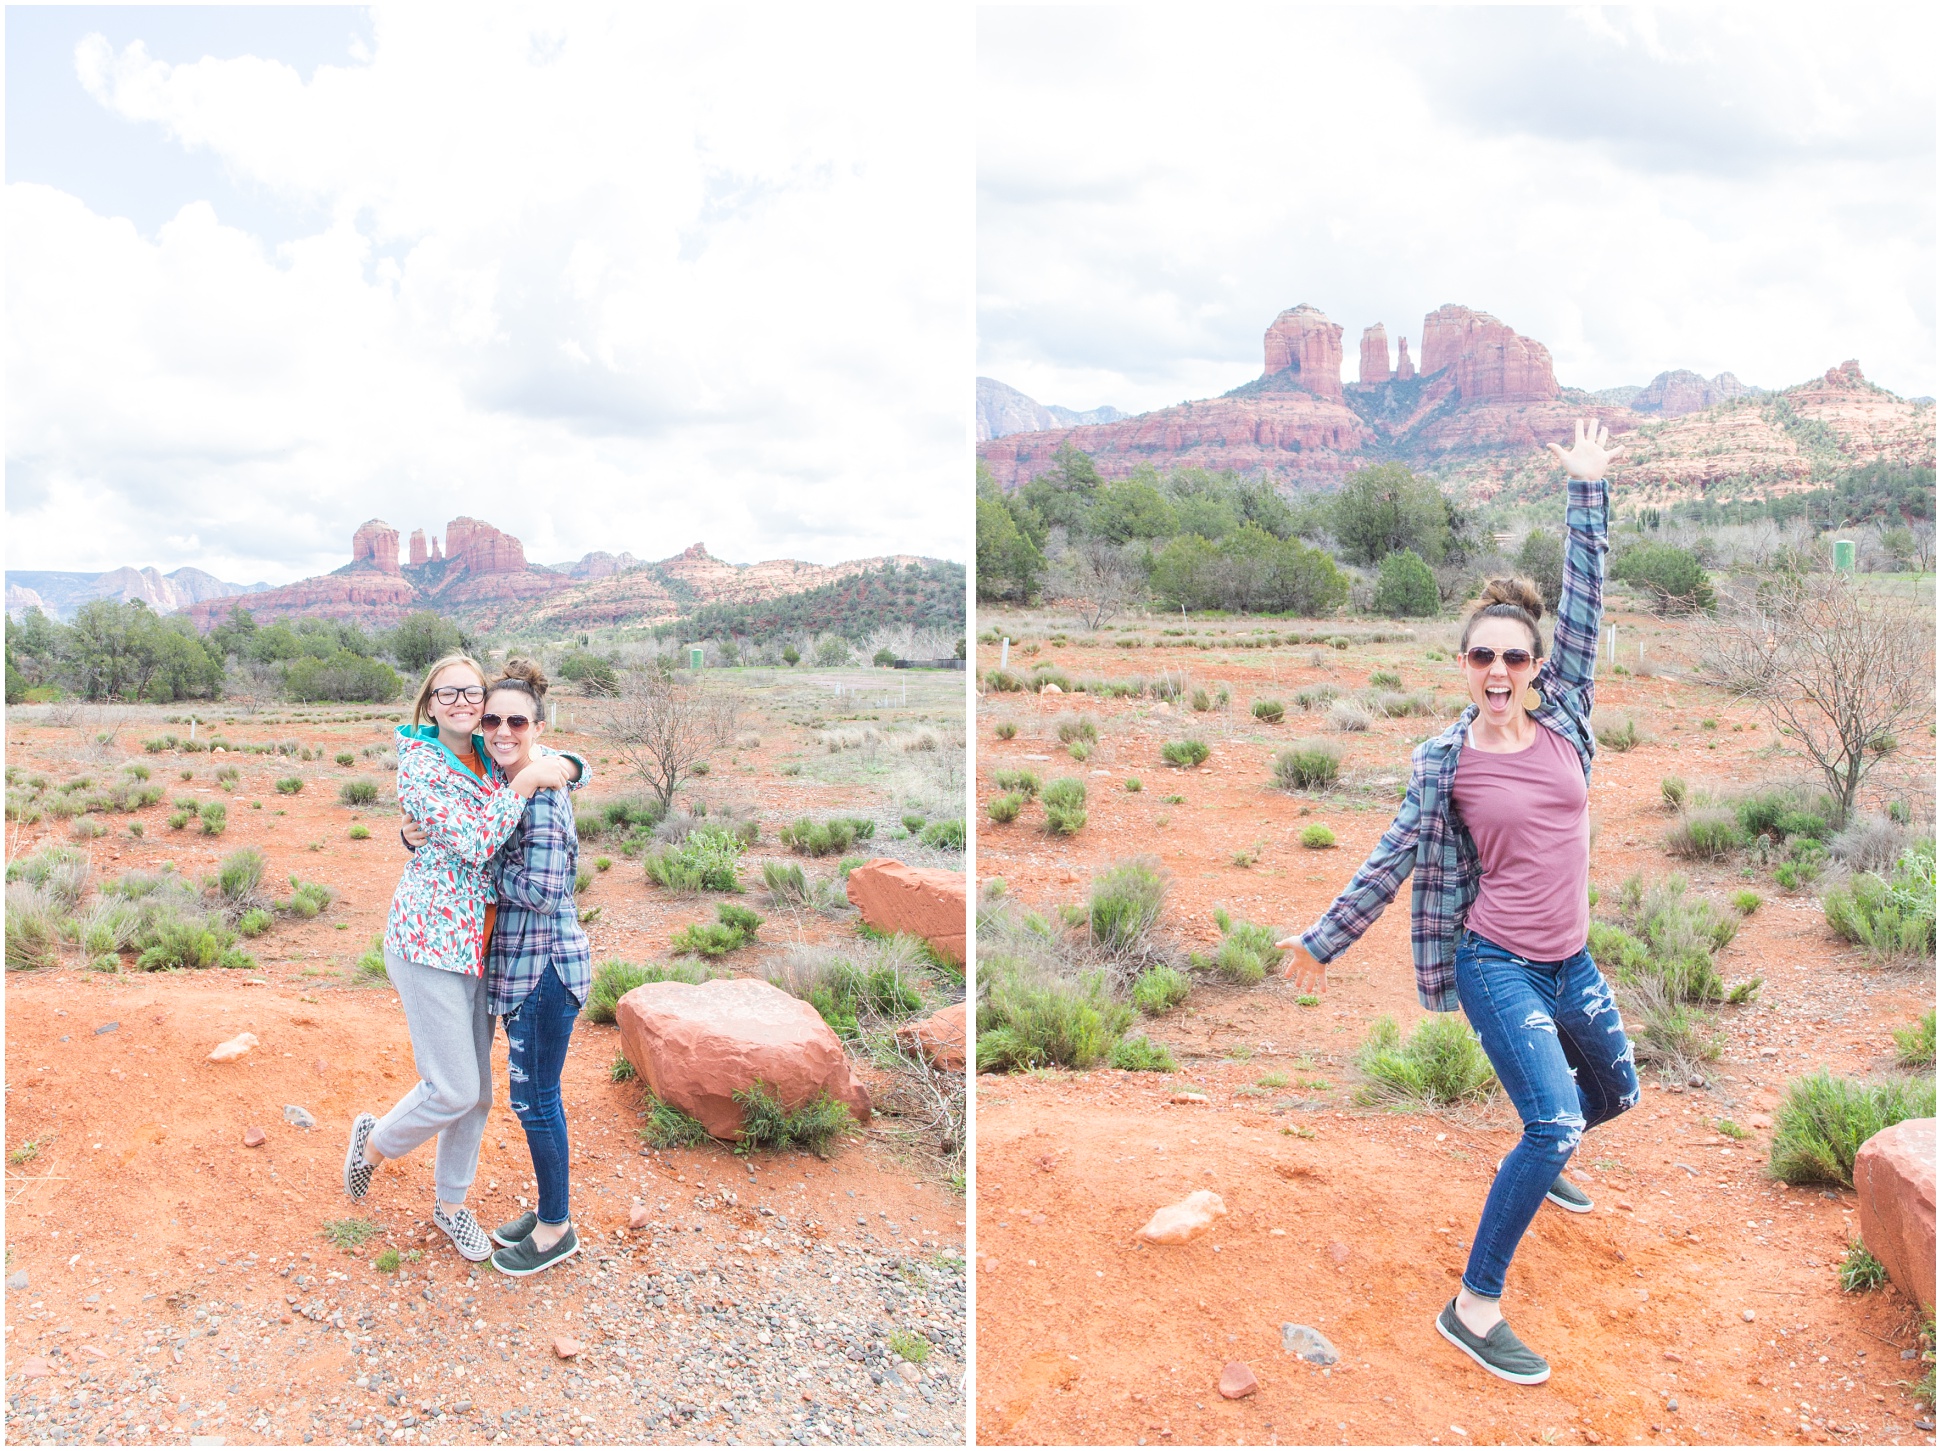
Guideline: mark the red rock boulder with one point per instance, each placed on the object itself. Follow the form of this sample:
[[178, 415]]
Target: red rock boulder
[[941, 1037], [922, 901], [695, 1047], [1894, 1176]]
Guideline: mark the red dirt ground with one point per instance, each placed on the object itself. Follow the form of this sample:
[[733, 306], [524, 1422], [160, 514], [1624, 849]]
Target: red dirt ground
[[1356, 1221], [141, 1202]]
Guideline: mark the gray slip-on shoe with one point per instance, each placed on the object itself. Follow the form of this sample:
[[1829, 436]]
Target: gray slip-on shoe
[[527, 1258], [1499, 1352], [514, 1230], [1563, 1194]]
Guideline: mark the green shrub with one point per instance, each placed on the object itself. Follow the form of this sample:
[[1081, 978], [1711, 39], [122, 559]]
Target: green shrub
[[345, 758], [765, 1124], [1384, 680], [1317, 837], [360, 832], [1024, 783], [1080, 751], [1202, 701], [668, 1128], [1065, 806], [1672, 788], [1246, 953], [1005, 730], [1823, 1120], [1891, 917], [1672, 578], [1081, 729], [240, 874], [1001, 681], [307, 899], [1133, 785], [1127, 900], [1270, 711], [1614, 732], [1442, 1062], [215, 817], [254, 923], [1184, 753], [33, 928], [1160, 989], [735, 928], [1705, 835], [1306, 765], [179, 819], [944, 835], [86, 828], [809, 837], [1141, 1055], [707, 861], [614, 980], [358, 793], [183, 942], [1405, 587], [913, 823], [1031, 1020], [60, 872], [847, 992], [1316, 697], [1916, 1043], [621, 1070], [289, 785], [1860, 1271], [1004, 809], [1747, 902]]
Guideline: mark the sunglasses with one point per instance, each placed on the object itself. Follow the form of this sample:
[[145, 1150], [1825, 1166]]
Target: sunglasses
[[493, 722], [452, 694], [1482, 657]]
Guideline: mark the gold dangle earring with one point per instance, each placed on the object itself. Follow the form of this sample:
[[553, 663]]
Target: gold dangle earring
[[1532, 699]]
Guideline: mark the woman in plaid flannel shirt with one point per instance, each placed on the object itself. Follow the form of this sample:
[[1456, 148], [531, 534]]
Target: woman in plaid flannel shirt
[[1499, 911]]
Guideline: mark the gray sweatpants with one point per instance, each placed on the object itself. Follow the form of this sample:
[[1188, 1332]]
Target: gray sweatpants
[[451, 1039]]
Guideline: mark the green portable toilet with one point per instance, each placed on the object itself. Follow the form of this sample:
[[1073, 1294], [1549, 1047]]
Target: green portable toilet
[[694, 655], [1843, 556]]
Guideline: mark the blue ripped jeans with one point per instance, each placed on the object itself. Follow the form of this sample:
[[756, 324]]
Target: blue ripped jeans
[[537, 1032], [1554, 1036]]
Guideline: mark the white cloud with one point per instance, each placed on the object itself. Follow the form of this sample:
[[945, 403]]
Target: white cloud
[[615, 280], [1713, 188]]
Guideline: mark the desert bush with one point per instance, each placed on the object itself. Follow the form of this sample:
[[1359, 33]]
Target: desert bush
[[854, 991], [1821, 1123], [1024, 783], [1133, 785], [1081, 729], [306, 899], [1002, 681], [1870, 843], [33, 927], [1345, 715], [1141, 1055], [1666, 1029], [1405, 587], [735, 928], [1201, 701], [1679, 933], [1160, 988], [179, 819], [1916, 1042], [1705, 835], [1613, 731], [944, 835], [289, 785], [215, 818], [255, 922], [1307, 765], [789, 886], [766, 1124], [1065, 806], [358, 793], [86, 828], [240, 874], [1395, 706], [1890, 916], [707, 861], [1384, 680], [614, 980], [1126, 903], [1005, 730], [1184, 753], [1672, 789], [1672, 578], [60, 872], [1442, 1062], [808, 837], [1029, 1019], [1272, 712], [1316, 697], [1246, 953], [345, 758], [1004, 809], [1317, 837], [1747, 902], [1859, 1270]]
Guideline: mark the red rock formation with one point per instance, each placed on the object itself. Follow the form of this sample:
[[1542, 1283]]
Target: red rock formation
[[1404, 369], [478, 548], [365, 595], [697, 1046], [1893, 1175], [418, 552], [924, 902], [437, 554], [1487, 359], [1374, 354], [1847, 375], [375, 545], [941, 1037], [1302, 341]]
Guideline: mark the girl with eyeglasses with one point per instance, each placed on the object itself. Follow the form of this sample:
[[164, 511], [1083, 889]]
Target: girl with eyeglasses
[[1496, 829], [435, 939]]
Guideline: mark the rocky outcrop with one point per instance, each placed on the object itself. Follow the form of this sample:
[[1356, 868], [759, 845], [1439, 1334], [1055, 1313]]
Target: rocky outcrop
[[697, 1046], [1488, 361], [597, 565], [1002, 409], [59, 593], [1374, 355], [1404, 369], [437, 551], [419, 553], [921, 901], [1680, 391], [477, 548], [374, 546], [1304, 349], [1893, 1174]]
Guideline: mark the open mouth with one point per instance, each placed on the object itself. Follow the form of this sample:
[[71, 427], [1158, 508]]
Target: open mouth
[[1497, 696]]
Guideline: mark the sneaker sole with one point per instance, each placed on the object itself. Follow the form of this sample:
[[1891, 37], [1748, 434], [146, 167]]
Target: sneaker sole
[[474, 1259], [1514, 1379], [536, 1269], [501, 1242], [1567, 1206]]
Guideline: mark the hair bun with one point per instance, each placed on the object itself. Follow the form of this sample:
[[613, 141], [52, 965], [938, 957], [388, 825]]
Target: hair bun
[[528, 673], [1518, 592]]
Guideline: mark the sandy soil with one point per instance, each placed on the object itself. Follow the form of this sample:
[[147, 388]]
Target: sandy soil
[[1356, 1221], [177, 1282]]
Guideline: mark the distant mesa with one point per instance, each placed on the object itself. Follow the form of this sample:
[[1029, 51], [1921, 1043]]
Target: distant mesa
[[59, 593], [1002, 409]]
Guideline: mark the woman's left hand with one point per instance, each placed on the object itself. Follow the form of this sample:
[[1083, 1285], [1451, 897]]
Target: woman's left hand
[[415, 835], [1590, 455], [544, 773]]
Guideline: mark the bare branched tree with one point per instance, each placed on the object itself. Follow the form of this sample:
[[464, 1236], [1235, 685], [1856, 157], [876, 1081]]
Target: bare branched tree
[[663, 726], [1839, 674], [1101, 577]]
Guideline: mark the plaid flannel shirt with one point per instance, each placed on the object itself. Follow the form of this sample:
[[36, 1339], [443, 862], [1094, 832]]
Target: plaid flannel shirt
[[1428, 836], [538, 926]]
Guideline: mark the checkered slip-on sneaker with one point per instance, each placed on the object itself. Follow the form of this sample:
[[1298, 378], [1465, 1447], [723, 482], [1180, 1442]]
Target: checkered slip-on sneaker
[[514, 1230], [464, 1229], [357, 1173]]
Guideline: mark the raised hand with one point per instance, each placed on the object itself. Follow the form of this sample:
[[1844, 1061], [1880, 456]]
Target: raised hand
[[1302, 970], [1591, 454]]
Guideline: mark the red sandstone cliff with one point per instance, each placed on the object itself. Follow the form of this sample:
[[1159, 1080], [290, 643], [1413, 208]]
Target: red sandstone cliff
[[1374, 355], [1302, 344], [375, 546]]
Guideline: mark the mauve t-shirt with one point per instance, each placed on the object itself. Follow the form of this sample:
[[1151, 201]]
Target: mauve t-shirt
[[1529, 813]]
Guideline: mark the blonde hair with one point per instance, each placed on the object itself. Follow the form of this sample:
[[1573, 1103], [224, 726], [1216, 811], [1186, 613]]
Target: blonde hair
[[422, 708], [1508, 599]]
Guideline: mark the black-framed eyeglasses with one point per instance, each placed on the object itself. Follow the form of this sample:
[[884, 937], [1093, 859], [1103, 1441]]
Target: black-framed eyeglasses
[[452, 694], [493, 722], [1482, 657]]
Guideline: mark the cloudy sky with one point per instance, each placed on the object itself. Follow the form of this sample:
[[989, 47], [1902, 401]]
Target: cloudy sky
[[615, 278], [1746, 188]]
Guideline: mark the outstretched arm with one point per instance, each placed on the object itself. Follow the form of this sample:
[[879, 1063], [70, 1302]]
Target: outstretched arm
[[1368, 892], [1572, 665]]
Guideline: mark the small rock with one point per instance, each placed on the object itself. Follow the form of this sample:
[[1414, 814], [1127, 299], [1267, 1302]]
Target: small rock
[[1237, 1380], [1674, 1355], [637, 1216], [1905, 1354], [94, 1350], [234, 1048], [107, 1028], [1308, 1343], [1748, 1315], [17, 1280], [1671, 1404], [462, 1408], [253, 1137], [33, 1367], [566, 1347], [1178, 1223], [909, 1373], [1760, 1121], [1625, 1204], [1459, 1430], [1695, 1081], [299, 1116], [1187, 1096]]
